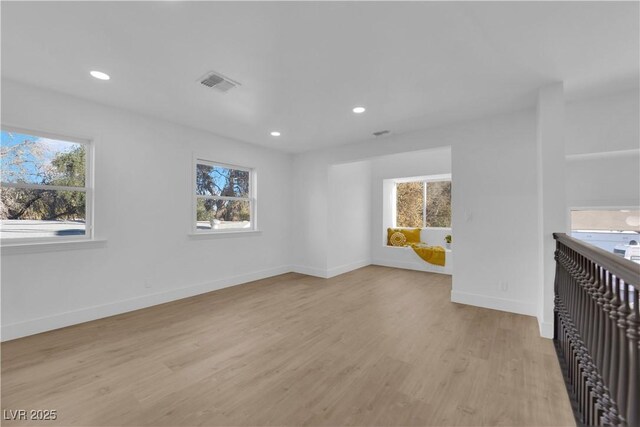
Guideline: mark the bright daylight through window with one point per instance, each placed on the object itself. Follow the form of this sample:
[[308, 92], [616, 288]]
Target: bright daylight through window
[[223, 198], [45, 188], [423, 204], [614, 230]]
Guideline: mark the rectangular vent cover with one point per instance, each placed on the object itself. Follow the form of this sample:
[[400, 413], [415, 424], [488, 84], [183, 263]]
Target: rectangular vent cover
[[217, 81], [381, 133]]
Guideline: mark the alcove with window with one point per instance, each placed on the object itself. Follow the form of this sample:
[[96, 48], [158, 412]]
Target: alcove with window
[[413, 191], [419, 208]]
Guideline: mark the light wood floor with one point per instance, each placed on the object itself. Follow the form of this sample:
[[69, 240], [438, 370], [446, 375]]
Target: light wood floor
[[377, 346]]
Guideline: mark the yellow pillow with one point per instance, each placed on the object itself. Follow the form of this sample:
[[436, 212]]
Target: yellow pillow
[[402, 236]]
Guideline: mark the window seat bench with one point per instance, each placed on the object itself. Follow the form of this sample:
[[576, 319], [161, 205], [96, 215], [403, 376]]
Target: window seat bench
[[405, 257]]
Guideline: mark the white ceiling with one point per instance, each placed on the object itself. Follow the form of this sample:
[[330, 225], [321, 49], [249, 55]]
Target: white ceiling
[[304, 65]]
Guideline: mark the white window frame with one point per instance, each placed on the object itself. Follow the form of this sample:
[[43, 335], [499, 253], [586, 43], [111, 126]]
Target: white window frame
[[424, 180], [87, 189], [252, 199]]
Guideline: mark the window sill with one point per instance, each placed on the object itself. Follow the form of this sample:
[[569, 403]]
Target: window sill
[[223, 234], [36, 247]]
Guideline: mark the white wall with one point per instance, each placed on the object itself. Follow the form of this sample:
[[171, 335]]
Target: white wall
[[552, 199], [494, 204], [310, 180], [602, 181], [143, 210], [494, 214], [608, 123], [143, 207], [349, 217], [603, 151]]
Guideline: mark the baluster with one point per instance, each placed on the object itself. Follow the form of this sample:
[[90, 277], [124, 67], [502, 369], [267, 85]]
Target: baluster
[[603, 403], [606, 310], [556, 295], [590, 328], [576, 277], [569, 313], [597, 332], [570, 287], [567, 261], [616, 345], [587, 323], [588, 339], [633, 334], [582, 374], [610, 357], [600, 339], [570, 317], [574, 318], [623, 367], [592, 318], [583, 282]]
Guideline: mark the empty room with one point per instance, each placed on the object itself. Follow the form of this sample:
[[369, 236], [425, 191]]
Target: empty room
[[320, 213]]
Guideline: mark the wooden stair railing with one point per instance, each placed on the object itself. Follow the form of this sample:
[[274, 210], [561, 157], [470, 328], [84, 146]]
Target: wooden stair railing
[[597, 332]]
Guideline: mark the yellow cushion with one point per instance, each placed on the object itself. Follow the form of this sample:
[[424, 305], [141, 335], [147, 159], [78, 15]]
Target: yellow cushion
[[402, 236], [398, 239], [432, 254]]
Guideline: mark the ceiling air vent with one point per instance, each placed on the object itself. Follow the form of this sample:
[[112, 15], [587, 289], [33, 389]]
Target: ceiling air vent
[[217, 81], [381, 133]]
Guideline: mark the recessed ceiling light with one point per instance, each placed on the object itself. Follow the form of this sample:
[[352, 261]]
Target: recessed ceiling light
[[275, 133], [100, 75], [359, 110]]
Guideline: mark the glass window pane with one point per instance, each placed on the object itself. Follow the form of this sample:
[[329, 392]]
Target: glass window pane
[[219, 181], [409, 204], [213, 214], [614, 230], [37, 160], [606, 220], [41, 213], [439, 204]]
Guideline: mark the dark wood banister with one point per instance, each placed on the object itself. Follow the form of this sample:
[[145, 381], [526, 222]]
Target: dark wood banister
[[626, 270], [597, 332]]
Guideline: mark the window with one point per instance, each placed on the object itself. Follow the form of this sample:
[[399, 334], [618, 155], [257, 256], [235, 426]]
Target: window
[[46, 189], [224, 198], [614, 230], [423, 203], [606, 220]]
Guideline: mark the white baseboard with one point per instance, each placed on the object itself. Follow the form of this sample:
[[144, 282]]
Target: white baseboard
[[310, 271], [331, 272], [546, 329], [336, 271], [502, 304], [61, 320], [409, 265]]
